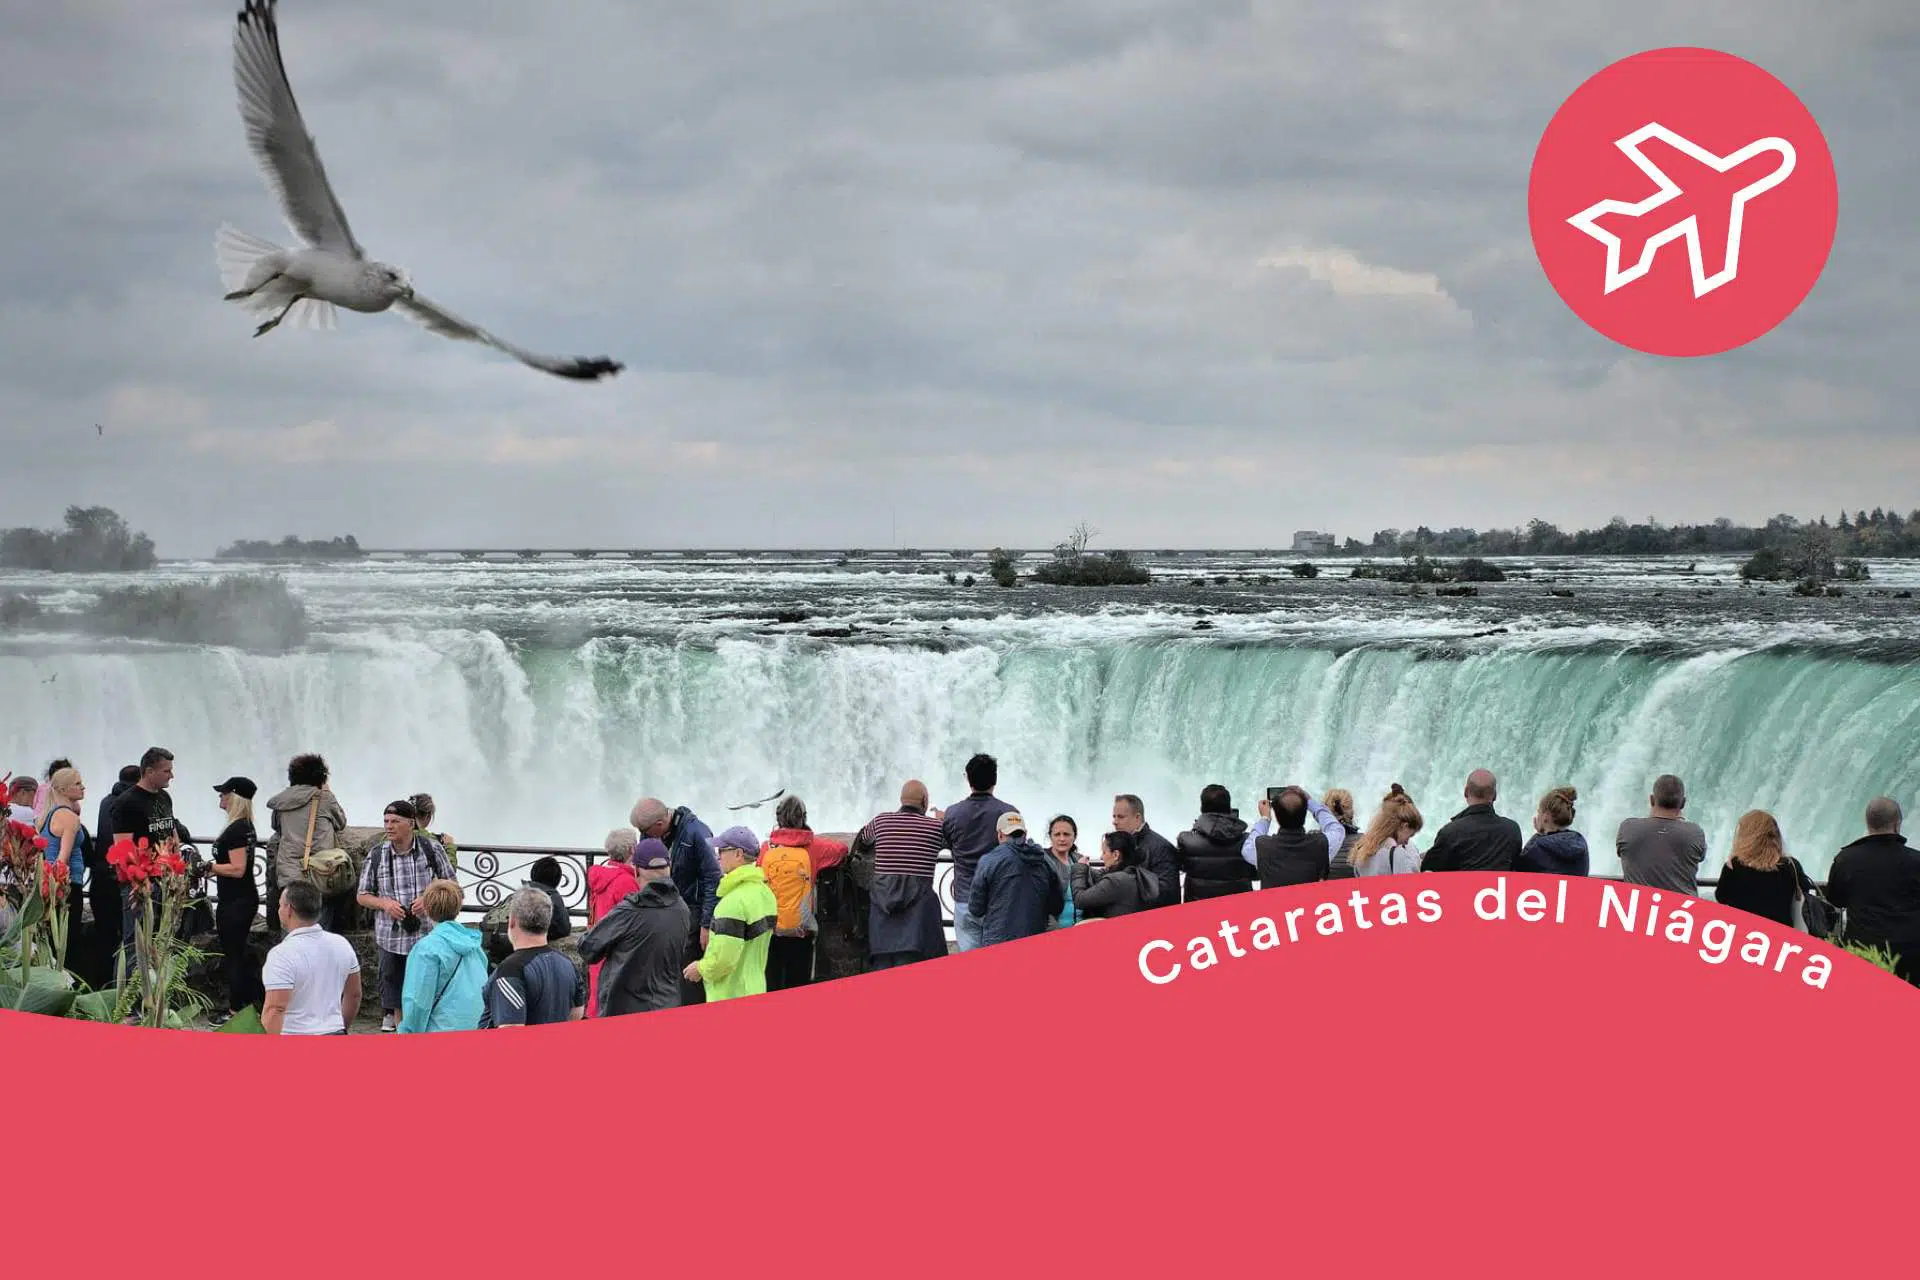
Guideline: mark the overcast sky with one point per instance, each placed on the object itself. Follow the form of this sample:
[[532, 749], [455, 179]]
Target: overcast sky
[[1200, 272]]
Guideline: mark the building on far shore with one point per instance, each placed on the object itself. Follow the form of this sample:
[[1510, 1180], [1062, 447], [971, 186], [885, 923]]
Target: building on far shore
[[1310, 541]]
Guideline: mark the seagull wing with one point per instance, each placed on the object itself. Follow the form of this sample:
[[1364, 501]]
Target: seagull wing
[[278, 137], [439, 320]]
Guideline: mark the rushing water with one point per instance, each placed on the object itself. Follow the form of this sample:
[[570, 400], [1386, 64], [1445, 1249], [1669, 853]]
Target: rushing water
[[536, 700]]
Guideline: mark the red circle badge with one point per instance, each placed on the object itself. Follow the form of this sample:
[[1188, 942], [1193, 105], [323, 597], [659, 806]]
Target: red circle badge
[[1682, 202]]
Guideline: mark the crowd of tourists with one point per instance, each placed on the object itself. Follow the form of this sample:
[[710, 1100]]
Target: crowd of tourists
[[678, 915]]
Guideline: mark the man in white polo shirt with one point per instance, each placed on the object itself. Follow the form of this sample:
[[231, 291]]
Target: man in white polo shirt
[[312, 977]]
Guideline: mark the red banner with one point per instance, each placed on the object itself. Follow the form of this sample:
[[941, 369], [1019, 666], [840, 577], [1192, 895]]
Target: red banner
[[1365, 1075]]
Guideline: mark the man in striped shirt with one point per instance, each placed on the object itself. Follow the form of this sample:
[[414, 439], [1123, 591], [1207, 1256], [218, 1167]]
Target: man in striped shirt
[[904, 919]]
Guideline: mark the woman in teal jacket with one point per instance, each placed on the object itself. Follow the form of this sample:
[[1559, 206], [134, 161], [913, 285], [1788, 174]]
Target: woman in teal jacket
[[446, 971]]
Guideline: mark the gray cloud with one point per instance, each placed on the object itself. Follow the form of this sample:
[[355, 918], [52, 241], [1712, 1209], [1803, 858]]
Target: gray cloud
[[1201, 271]]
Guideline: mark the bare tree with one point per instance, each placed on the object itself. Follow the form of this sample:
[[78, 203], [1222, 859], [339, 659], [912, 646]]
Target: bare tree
[[1075, 547]]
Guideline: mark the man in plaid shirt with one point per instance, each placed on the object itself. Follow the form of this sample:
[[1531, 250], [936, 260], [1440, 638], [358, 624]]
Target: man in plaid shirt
[[396, 874]]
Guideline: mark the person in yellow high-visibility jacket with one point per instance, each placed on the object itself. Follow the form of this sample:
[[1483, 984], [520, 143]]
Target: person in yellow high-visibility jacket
[[736, 960]]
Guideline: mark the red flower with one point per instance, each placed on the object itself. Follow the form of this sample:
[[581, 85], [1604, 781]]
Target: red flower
[[132, 860], [54, 880]]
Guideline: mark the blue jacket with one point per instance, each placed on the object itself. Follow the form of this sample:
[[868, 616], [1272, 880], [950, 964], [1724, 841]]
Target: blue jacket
[[970, 830], [696, 869], [1557, 853], [449, 963], [1015, 890]]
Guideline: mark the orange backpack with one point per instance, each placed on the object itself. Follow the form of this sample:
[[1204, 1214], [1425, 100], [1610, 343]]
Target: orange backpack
[[789, 874]]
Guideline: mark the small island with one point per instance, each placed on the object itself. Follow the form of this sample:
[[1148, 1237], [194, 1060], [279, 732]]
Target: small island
[[96, 540], [1074, 566], [293, 548]]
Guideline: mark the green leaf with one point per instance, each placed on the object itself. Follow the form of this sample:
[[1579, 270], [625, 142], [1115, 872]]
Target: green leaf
[[244, 1023], [45, 993], [94, 1006], [32, 911]]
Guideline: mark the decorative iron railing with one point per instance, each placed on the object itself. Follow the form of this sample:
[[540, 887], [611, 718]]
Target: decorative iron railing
[[491, 872]]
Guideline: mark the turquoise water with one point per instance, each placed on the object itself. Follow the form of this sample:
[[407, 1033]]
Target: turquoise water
[[537, 702]]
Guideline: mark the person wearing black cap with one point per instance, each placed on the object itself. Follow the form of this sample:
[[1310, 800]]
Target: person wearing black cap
[[239, 899]]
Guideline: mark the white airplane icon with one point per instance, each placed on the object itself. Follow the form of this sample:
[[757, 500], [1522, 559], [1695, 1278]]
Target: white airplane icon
[[1588, 219]]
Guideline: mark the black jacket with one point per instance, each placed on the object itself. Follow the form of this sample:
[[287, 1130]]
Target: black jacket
[[103, 828], [643, 941], [1161, 858], [1210, 856], [1478, 839], [1877, 881], [1102, 894], [1292, 857]]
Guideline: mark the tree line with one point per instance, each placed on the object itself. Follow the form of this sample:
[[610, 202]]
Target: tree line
[[1861, 534]]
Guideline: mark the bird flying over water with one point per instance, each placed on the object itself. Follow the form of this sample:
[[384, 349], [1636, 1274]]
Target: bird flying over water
[[329, 268]]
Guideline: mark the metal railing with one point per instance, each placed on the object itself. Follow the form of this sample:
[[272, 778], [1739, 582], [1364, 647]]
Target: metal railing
[[490, 873], [489, 881]]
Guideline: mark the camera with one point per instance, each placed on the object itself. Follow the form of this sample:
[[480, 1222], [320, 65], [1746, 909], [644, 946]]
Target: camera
[[410, 923]]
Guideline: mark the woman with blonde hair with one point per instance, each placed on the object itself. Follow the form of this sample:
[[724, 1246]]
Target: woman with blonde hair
[[1759, 876], [67, 840], [1386, 848], [239, 897], [1339, 802], [1556, 848]]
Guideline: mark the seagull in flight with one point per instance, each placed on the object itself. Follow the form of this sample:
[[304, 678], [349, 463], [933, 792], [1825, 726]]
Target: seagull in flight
[[329, 268]]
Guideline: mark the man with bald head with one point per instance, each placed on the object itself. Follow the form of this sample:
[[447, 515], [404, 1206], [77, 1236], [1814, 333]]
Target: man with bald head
[[1478, 839], [903, 917], [1876, 879], [695, 873]]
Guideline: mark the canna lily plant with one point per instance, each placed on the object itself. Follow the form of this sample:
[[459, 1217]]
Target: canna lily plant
[[33, 976], [157, 879]]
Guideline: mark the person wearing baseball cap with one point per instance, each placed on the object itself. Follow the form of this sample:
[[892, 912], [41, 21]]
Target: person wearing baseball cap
[[638, 947], [736, 960], [393, 879], [1015, 890], [238, 897]]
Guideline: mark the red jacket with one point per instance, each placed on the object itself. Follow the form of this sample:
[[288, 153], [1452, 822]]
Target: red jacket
[[608, 883]]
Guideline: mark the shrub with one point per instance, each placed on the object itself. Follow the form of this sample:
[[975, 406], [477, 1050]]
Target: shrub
[[1474, 569]]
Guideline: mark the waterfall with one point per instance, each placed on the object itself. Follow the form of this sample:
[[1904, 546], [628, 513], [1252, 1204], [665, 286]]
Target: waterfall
[[522, 743]]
